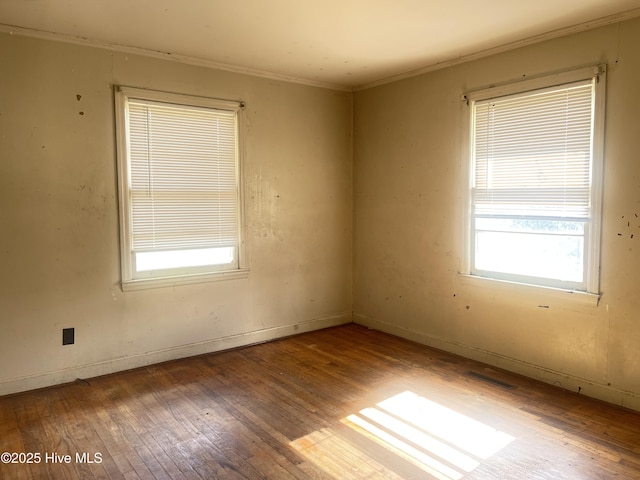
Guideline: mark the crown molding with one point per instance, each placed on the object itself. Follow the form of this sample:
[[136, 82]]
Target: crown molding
[[175, 57], [561, 32], [200, 62]]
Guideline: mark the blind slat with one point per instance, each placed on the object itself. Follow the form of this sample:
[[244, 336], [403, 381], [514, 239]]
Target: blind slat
[[183, 177], [532, 153]]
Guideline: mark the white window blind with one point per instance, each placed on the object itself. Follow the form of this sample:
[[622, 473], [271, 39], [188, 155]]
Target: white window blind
[[536, 180], [532, 154], [179, 183], [183, 177]]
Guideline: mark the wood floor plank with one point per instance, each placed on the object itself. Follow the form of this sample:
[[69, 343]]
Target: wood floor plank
[[344, 402]]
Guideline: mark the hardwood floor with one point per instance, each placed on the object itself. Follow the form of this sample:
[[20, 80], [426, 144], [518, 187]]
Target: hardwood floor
[[341, 403]]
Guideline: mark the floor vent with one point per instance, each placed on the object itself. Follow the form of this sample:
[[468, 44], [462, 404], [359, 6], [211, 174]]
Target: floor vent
[[493, 381]]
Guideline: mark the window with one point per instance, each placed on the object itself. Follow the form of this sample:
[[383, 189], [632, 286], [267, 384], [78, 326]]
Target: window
[[536, 168], [180, 208]]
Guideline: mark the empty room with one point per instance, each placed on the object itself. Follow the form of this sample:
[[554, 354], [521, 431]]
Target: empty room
[[287, 239]]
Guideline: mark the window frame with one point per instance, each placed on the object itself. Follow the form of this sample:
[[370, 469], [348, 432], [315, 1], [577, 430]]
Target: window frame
[[597, 74], [176, 276]]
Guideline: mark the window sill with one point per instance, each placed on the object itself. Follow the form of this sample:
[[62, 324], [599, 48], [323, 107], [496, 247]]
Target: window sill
[[542, 295], [147, 283]]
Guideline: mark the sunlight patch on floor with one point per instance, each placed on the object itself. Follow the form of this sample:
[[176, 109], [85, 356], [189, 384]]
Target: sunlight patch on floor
[[340, 458], [404, 436], [404, 450], [461, 431]]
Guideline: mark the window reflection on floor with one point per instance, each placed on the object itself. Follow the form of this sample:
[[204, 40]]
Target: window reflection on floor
[[404, 436]]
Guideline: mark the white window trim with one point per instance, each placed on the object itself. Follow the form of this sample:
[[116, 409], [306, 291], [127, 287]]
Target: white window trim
[[598, 73], [128, 283]]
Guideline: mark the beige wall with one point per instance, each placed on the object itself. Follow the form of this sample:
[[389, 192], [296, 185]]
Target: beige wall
[[59, 246], [408, 221], [59, 249]]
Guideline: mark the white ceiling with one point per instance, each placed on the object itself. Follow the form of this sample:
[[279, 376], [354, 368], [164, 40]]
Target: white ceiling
[[338, 43]]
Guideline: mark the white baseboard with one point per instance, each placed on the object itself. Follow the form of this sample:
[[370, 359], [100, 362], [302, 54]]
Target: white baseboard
[[586, 387], [47, 379]]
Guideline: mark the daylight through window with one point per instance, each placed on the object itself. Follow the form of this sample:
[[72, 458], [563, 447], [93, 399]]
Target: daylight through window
[[535, 182], [179, 185]]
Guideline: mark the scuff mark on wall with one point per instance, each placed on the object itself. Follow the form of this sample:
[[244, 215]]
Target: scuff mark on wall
[[629, 225]]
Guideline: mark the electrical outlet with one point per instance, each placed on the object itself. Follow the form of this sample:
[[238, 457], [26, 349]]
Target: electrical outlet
[[68, 336]]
